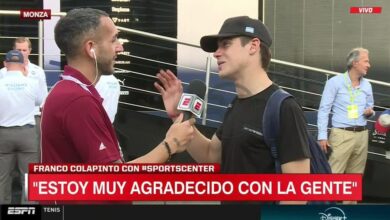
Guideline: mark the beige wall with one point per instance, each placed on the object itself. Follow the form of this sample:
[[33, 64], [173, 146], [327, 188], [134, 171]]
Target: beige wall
[[204, 17]]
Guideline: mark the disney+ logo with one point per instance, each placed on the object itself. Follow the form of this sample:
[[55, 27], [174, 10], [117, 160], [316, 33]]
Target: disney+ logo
[[332, 213]]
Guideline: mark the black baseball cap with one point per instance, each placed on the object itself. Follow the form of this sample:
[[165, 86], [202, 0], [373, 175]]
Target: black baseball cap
[[14, 56], [237, 26]]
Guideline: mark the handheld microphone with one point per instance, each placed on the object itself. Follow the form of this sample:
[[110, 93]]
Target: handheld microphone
[[192, 103]]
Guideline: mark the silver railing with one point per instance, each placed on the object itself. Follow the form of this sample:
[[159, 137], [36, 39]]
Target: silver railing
[[207, 69], [40, 32], [209, 72]]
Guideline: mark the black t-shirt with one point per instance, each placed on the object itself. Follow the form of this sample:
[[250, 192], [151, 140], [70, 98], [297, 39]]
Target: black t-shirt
[[243, 146]]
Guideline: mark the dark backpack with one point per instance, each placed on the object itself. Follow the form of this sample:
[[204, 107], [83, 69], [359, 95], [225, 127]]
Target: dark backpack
[[271, 125]]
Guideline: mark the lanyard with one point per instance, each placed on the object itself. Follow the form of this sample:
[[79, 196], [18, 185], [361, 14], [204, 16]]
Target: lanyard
[[352, 93], [71, 78]]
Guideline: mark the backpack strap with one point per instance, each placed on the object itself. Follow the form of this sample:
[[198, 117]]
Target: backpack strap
[[271, 123]]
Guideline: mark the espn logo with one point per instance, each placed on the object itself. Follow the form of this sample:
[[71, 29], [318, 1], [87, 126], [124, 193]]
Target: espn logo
[[186, 100], [191, 103], [28, 212], [34, 14], [21, 210], [365, 10], [198, 105]]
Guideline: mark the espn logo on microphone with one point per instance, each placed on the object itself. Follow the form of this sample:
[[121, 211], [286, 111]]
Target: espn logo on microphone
[[191, 103], [35, 14]]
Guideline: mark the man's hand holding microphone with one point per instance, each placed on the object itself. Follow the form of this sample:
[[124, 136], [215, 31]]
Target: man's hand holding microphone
[[181, 107]]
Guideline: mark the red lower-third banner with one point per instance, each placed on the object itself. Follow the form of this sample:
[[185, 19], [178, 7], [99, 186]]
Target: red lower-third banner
[[194, 187]]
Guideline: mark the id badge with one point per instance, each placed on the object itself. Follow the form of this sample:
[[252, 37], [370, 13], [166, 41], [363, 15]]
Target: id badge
[[352, 111]]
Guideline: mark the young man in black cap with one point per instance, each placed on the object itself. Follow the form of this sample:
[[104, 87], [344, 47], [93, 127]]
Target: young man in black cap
[[242, 51]]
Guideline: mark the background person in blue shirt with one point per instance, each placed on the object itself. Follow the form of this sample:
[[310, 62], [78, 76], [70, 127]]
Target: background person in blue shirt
[[349, 97]]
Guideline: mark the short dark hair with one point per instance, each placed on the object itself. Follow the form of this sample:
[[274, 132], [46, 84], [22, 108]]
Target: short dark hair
[[265, 52], [71, 30]]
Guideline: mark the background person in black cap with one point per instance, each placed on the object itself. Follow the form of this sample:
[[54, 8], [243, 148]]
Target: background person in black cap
[[242, 51], [18, 139]]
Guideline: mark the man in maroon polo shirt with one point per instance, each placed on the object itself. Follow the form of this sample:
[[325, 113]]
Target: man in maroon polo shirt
[[75, 126]]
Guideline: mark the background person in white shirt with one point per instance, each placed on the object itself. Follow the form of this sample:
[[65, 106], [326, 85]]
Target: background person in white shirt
[[18, 137], [109, 89], [23, 44]]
